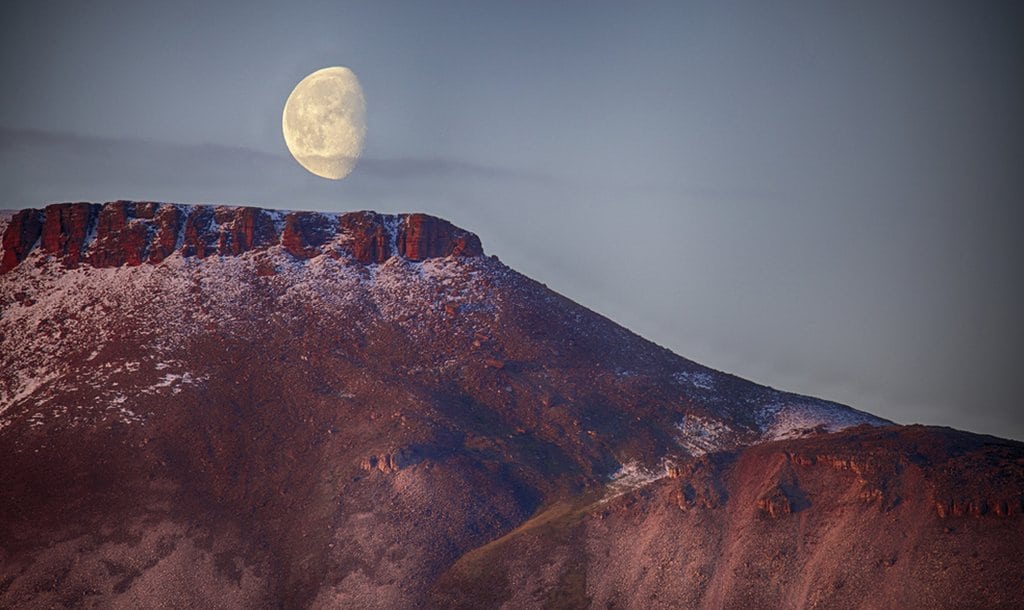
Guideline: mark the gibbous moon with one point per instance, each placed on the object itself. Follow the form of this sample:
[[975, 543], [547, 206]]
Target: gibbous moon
[[324, 122]]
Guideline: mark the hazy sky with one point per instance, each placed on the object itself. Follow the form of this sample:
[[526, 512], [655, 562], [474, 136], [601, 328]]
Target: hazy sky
[[826, 197]]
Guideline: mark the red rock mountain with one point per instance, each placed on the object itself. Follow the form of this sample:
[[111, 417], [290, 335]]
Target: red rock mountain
[[236, 407], [130, 233]]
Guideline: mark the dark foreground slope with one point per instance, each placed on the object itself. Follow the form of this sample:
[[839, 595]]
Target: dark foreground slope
[[222, 407]]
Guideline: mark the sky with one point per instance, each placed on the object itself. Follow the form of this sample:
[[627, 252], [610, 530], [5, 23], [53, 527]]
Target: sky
[[824, 197]]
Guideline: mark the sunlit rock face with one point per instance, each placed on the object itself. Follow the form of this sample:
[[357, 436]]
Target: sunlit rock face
[[19, 237], [232, 406], [421, 237], [130, 233]]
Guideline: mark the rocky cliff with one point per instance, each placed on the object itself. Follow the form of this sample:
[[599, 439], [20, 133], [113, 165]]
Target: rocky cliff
[[132, 233]]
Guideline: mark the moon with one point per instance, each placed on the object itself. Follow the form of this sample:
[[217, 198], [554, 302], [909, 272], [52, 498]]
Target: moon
[[324, 122]]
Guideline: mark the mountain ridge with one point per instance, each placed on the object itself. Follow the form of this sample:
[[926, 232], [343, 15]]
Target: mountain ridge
[[331, 429], [240, 243], [131, 233]]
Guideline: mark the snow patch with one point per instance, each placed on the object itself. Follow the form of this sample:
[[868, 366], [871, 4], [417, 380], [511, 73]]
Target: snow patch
[[174, 381], [631, 475], [27, 386], [782, 420], [700, 435], [696, 379]]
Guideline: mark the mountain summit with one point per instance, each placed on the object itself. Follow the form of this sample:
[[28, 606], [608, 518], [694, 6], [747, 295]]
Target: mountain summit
[[131, 233], [231, 406]]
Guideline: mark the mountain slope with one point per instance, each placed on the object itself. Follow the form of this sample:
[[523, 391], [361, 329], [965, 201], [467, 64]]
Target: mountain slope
[[891, 517], [314, 409]]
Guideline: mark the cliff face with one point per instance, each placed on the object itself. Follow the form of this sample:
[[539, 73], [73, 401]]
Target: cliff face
[[20, 237], [132, 233]]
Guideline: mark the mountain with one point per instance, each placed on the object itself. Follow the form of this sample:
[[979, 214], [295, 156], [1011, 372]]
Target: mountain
[[229, 406]]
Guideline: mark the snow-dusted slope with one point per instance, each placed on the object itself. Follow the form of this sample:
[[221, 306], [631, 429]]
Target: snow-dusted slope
[[83, 344], [61, 323]]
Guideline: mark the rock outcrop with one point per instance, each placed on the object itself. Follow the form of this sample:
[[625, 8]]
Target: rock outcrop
[[244, 229], [168, 221], [781, 500], [20, 237], [699, 481], [369, 239], [421, 237], [132, 233], [303, 234], [122, 234], [65, 229], [390, 461]]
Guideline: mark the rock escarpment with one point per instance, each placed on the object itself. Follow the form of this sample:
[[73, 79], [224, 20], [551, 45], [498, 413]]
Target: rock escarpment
[[890, 517], [133, 233], [20, 237]]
